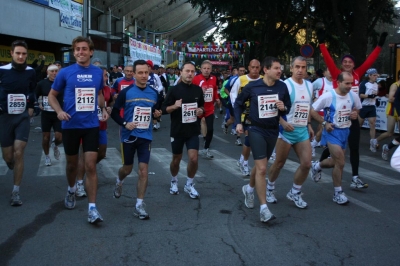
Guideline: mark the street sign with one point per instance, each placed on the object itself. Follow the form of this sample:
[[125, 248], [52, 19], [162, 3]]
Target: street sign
[[306, 50]]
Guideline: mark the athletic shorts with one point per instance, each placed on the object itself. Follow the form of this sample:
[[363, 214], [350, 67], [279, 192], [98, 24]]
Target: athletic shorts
[[261, 147], [177, 143], [103, 137], [338, 136], [367, 111], [14, 127], [299, 134], [49, 120], [391, 111], [133, 144], [72, 140]]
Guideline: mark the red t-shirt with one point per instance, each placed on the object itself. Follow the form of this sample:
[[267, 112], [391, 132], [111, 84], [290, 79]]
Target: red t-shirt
[[210, 92], [108, 100]]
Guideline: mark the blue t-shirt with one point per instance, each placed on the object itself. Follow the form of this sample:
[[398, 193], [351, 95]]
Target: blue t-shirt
[[70, 80], [132, 97]]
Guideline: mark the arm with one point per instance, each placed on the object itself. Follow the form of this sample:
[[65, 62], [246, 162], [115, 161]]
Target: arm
[[392, 92], [61, 115], [368, 62], [101, 103], [329, 61]]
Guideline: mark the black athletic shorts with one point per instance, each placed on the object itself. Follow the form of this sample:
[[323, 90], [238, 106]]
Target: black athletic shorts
[[261, 147], [72, 140], [50, 120], [14, 127], [177, 143], [133, 144]]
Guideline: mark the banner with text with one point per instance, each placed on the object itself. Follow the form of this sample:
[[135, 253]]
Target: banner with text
[[381, 119], [70, 21], [207, 50], [139, 50]]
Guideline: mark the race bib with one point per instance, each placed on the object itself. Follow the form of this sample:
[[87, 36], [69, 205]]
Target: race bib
[[142, 117], [208, 95], [124, 86], [267, 106], [46, 106], [300, 115], [355, 89], [189, 112], [16, 103], [85, 99], [100, 113], [343, 119]]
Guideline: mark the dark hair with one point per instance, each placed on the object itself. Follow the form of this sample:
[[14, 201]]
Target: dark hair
[[268, 61], [188, 63], [233, 68], [239, 66], [83, 39], [138, 63], [340, 78], [19, 43]]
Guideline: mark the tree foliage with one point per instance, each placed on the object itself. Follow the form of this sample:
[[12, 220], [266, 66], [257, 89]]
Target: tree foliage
[[280, 26]]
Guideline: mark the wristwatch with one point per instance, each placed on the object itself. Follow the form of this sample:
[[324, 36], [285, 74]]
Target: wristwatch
[[124, 124], [323, 123]]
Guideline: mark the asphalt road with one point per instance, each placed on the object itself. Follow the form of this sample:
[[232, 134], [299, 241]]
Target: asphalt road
[[217, 229]]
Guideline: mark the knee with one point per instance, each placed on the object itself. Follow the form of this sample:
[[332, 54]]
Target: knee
[[306, 165], [18, 153], [46, 138], [193, 159], [340, 163], [90, 168], [262, 170]]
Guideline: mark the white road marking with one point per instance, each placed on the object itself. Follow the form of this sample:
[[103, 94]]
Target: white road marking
[[362, 204]]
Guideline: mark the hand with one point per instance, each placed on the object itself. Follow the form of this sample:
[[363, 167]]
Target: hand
[[131, 125], [178, 103], [354, 114], [157, 113], [329, 127], [104, 116], [41, 106], [310, 131], [280, 106], [199, 111], [287, 127], [321, 35], [239, 128], [108, 109], [63, 116], [115, 96], [382, 39]]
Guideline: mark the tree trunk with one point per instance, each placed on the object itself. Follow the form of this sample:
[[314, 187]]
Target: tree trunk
[[358, 41]]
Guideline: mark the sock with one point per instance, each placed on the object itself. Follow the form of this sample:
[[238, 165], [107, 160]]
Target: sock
[[270, 185], [16, 188], [249, 189], [296, 188], [47, 156], [241, 160], [80, 182], [355, 178], [245, 162], [189, 181], [119, 182], [139, 202], [92, 205], [174, 178], [263, 206], [337, 189], [72, 189], [318, 166]]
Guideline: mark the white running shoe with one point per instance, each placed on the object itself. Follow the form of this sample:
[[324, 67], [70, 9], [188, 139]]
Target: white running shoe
[[372, 145], [273, 156], [312, 151], [357, 183], [174, 188], [191, 191], [314, 143], [297, 199], [246, 170], [266, 215], [80, 190], [56, 151], [48, 161], [314, 173], [238, 142], [233, 132], [248, 198], [206, 154], [223, 125], [270, 196], [340, 198], [385, 152]]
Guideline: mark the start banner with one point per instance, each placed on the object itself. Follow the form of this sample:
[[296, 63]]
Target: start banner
[[144, 51]]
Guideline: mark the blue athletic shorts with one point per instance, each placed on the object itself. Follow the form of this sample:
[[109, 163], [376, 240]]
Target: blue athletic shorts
[[338, 136], [103, 137], [133, 144], [299, 134]]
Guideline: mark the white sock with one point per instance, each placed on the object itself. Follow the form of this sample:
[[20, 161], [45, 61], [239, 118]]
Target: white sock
[[296, 188], [355, 177], [245, 163], [174, 178], [72, 189], [189, 181], [263, 206], [270, 185], [119, 182], [337, 189], [249, 189], [92, 205], [80, 182], [241, 160], [16, 188], [139, 202], [318, 166]]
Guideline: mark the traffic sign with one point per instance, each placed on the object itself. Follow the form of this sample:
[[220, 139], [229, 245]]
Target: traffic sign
[[306, 50]]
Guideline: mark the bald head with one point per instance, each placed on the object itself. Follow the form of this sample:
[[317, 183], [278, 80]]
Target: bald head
[[254, 69]]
